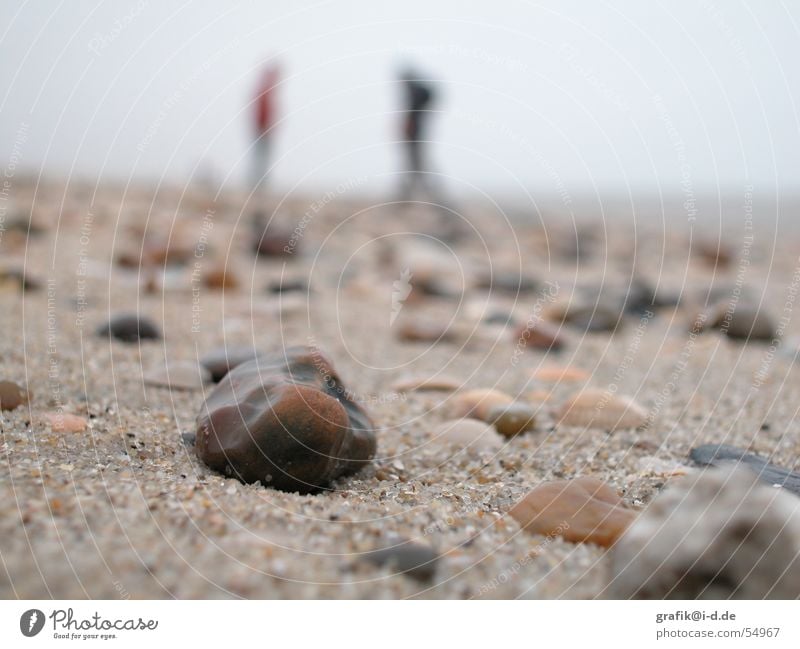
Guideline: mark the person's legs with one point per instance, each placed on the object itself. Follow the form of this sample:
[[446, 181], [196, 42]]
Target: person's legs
[[260, 164]]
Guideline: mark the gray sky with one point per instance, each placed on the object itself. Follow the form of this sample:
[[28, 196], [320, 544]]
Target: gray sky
[[544, 96]]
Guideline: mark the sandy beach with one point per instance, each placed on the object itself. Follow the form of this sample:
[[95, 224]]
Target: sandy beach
[[125, 509]]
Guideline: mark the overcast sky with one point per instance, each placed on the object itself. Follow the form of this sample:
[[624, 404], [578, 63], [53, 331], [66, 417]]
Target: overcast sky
[[550, 96]]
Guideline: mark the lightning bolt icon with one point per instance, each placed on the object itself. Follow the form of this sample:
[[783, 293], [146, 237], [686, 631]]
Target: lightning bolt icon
[[32, 620]]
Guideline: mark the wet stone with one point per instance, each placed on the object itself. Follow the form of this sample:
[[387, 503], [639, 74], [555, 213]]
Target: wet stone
[[130, 328], [411, 559], [13, 395], [287, 421], [583, 510], [717, 535], [222, 360], [723, 455]]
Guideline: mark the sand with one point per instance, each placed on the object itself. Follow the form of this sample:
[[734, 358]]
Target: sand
[[126, 510]]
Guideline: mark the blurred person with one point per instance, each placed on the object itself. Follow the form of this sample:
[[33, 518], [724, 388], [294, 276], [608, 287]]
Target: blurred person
[[418, 98], [263, 121]]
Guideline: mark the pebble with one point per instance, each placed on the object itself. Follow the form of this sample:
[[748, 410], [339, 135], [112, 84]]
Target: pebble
[[16, 278], [61, 422], [513, 419], [130, 328], [715, 254], [555, 374], [582, 510], [595, 408], [416, 331], [427, 383], [540, 335], [722, 455], [178, 375], [508, 282], [220, 278], [13, 395], [463, 433], [287, 421], [273, 240], [288, 285], [222, 360], [740, 321], [411, 559], [717, 535], [476, 403], [594, 318]]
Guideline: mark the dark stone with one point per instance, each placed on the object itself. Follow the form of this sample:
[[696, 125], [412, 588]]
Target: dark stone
[[411, 559], [271, 240], [508, 282], [287, 421], [13, 395], [540, 335], [721, 454], [222, 360], [288, 286], [189, 438], [130, 328], [594, 318], [737, 320], [16, 276]]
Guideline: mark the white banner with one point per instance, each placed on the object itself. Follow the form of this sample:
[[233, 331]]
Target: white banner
[[387, 624]]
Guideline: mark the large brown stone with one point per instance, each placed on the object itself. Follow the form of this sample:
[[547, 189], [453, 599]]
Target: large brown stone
[[583, 510], [287, 421]]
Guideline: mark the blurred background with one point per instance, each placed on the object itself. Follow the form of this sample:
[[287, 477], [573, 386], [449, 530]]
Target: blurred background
[[555, 98]]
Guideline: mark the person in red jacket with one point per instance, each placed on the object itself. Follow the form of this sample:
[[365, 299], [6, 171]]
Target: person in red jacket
[[263, 121]]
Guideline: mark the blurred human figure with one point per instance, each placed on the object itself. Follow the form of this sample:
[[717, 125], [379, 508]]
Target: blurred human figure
[[263, 121], [418, 97]]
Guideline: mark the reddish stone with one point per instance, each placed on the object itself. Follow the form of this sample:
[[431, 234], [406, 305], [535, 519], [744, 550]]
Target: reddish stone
[[287, 421]]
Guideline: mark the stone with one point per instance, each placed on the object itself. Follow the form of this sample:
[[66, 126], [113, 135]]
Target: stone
[[62, 422], [595, 408], [178, 375], [459, 434], [513, 419], [723, 455], [740, 321], [273, 240], [594, 318], [411, 559], [219, 277], [508, 282], [541, 335], [13, 395], [427, 383], [555, 374], [582, 510], [288, 285], [287, 421], [222, 360], [416, 331], [476, 403], [130, 328], [16, 278], [715, 254], [717, 535]]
